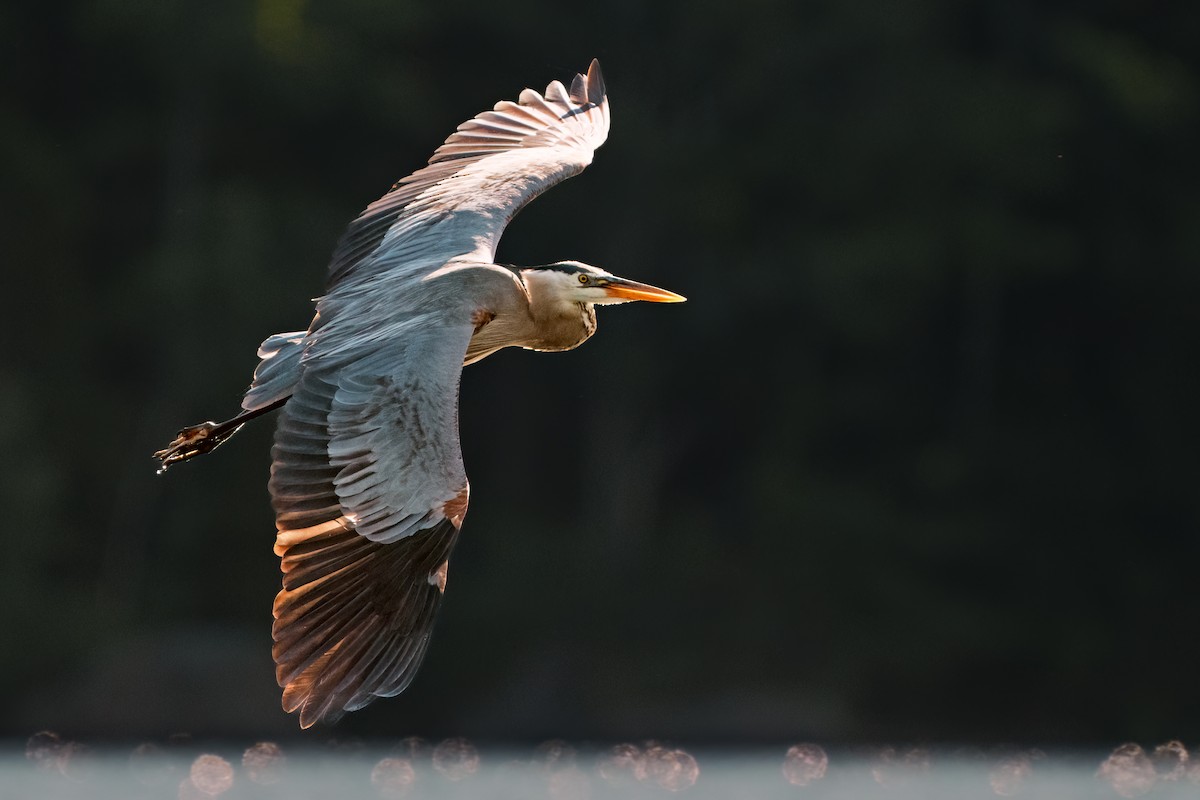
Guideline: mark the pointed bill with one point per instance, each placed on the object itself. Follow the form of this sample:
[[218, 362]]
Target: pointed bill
[[632, 290]]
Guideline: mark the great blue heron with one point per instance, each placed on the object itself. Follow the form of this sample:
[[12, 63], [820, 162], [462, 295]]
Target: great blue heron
[[367, 479]]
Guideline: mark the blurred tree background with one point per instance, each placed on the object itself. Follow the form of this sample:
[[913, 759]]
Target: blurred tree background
[[916, 461]]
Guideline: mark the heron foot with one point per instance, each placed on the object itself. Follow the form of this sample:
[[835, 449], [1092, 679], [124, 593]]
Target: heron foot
[[195, 440]]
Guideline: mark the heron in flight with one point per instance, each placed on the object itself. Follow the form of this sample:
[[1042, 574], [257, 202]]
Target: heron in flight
[[367, 479]]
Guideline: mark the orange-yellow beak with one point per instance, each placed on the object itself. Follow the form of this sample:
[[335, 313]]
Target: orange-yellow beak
[[632, 290]]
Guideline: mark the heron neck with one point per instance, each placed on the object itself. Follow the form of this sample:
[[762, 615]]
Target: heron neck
[[562, 326]]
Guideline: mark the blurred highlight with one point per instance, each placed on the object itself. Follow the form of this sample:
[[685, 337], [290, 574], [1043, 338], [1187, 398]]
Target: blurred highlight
[[804, 763], [264, 763], [52, 766], [393, 777], [211, 775], [1007, 778], [456, 759], [673, 769]]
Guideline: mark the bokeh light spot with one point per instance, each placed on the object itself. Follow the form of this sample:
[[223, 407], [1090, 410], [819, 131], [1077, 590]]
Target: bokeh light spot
[[805, 763], [456, 758], [211, 774], [673, 769], [264, 763], [621, 765], [1008, 777], [393, 777], [45, 750], [1170, 760], [1129, 771]]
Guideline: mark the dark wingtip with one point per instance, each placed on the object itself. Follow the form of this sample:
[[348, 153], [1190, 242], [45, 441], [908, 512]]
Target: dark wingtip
[[588, 89], [595, 82]]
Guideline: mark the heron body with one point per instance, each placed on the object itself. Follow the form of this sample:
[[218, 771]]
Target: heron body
[[367, 480]]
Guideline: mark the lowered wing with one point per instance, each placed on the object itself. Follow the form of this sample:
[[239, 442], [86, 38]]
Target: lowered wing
[[369, 493]]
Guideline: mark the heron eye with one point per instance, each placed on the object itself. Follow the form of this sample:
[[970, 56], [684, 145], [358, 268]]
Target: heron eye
[[583, 278]]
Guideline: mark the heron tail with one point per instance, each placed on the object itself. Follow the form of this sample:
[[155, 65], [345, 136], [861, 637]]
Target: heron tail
[[278, 371]]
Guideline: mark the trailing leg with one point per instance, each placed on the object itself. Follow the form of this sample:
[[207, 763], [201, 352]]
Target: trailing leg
[[196, 440]]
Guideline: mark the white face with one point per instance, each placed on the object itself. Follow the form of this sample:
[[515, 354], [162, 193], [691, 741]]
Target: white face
[[583, 283], [573, 282], [588, 285]]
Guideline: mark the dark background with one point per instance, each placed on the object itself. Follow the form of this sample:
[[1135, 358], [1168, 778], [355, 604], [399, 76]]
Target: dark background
[[916, 461]]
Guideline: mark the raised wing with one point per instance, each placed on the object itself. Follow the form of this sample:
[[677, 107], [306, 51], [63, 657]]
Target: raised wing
[[369, 493], [477, 181]]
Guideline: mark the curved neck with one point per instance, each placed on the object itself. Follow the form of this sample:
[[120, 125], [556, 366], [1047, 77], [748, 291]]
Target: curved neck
[[559, 323]]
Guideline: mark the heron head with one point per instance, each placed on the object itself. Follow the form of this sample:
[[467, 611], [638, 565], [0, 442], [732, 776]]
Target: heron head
[[575, 282]]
